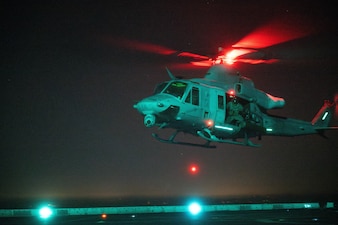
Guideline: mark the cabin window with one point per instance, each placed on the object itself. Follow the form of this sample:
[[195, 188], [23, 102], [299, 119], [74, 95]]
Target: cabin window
[[176, 88], [195, 93], [238, 88], [220, 102]]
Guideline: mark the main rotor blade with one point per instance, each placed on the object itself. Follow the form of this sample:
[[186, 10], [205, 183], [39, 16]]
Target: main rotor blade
[[139, 46], [276, 32], [193, 55]]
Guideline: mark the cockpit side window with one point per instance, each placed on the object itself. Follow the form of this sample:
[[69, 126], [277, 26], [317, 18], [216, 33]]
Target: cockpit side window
[[188, 98], [176, 88], [193, 96]]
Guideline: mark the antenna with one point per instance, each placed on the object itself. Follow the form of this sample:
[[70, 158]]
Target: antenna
[[170, 74]]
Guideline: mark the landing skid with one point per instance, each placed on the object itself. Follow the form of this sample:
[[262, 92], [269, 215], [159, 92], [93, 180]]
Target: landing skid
[[172, 141], [210, 137]]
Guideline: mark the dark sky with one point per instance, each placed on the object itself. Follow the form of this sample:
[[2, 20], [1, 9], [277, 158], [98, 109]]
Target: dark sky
[[68, 126]]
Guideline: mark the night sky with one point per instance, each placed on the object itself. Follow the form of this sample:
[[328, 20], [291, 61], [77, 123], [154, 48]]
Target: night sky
[[68, 126]]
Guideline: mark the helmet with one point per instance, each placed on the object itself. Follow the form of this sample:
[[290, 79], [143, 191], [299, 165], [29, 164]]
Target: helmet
[[234, 100]]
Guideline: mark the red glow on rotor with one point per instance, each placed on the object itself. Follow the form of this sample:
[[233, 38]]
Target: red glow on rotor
[[193, 55], [204, 63], [257, 61], [275, 32], [231, 56]]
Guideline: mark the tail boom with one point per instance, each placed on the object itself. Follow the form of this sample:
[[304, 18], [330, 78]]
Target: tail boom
[[293, 127]]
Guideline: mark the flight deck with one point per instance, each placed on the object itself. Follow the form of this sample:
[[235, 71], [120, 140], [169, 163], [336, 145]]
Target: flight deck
[[192, 213]]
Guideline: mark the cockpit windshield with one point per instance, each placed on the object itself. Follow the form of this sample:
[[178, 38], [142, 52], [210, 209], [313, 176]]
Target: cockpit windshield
[[176, 88], [159, 88]]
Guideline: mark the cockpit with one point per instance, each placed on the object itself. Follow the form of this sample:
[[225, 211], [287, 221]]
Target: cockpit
[[175, 88]]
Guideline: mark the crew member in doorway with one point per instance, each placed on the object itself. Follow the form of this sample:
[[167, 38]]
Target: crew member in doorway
[[235, 109]]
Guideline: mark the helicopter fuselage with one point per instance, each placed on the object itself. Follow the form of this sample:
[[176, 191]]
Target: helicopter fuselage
[[220, 107]]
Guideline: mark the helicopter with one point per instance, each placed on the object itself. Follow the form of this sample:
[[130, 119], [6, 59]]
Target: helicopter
[[223, 107]]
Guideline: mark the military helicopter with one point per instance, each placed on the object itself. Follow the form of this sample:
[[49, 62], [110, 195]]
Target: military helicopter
[[223, 107]]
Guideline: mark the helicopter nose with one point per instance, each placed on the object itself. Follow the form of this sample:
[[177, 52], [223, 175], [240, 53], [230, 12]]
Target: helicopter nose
[[135, 106], [139, 106], [147, 106]]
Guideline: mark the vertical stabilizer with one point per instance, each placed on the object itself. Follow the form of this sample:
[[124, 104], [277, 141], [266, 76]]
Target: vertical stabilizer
[[323, 117]]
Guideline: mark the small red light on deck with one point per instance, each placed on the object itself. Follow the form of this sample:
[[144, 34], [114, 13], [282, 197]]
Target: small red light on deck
[[193, 169]]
